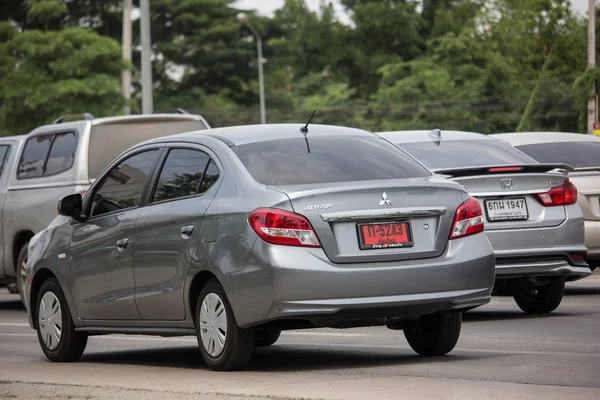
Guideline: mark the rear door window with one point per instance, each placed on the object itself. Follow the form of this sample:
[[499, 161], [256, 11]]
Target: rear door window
[[47, 155], [34, 156], [123, 186], [62, 153], [181, 174], [210, 177], [326, 160], [465, 153], [575, 154]]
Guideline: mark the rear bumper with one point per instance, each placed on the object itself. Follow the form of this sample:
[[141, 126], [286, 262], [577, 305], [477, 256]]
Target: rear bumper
[[541, 251], [303, 284], [554, 265]]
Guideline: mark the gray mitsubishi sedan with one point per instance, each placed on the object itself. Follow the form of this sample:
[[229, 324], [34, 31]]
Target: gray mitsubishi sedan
[[235, 234]]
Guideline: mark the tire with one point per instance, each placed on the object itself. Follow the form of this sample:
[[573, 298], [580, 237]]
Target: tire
[[435, 334], [71, 344], [12, 288], [21, 271], [547, 299], [237, 343], [267, 337]]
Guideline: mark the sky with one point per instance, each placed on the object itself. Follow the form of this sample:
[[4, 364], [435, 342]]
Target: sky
[[267, 7]]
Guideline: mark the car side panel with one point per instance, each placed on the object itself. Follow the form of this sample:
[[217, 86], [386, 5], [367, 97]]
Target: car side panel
[[162, 255], [102, 281]]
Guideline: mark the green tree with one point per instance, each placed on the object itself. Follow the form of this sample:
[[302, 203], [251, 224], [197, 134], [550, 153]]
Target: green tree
[[54, 72]]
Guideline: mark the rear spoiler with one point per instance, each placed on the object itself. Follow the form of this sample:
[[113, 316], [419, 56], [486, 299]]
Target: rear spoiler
[[504, 169], [586, 169]]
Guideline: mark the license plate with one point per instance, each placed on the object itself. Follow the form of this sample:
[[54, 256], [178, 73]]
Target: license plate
[[506, 210], [384, 235]]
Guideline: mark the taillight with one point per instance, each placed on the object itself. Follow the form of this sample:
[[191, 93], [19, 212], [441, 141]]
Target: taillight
[[562, 195], [82, 194], [468, 220], [283, 227]]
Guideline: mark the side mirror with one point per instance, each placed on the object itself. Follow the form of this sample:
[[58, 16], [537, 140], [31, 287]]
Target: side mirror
[[71, 206]]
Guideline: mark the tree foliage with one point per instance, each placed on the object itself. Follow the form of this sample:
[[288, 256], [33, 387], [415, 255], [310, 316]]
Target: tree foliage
[[455, 64]]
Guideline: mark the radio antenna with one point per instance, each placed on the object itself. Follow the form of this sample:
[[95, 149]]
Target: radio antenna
[[304, 129]]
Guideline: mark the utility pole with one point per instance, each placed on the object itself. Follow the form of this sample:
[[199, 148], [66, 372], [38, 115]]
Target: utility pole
[[126, 48], [147, 101], [244, 19], [591, 108]]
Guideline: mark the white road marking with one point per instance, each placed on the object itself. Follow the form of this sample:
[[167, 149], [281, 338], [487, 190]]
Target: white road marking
[[13, 324], [355, 346]]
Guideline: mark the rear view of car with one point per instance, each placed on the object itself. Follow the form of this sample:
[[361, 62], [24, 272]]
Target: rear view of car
[[580, 151], [275, 229], [532, 217]]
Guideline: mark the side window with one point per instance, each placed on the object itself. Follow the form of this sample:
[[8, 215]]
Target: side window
[[4, 152], [122, 187], [181, 174], [62, 153], [210, 177], [34, 156], [47, 155]]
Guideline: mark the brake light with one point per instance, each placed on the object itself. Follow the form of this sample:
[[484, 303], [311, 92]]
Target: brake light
[[468, 220], [505, 169], [562, 195], [283, 227]]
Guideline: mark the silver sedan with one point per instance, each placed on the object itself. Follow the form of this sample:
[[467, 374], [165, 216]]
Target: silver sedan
[[531, 212], [235, 234]]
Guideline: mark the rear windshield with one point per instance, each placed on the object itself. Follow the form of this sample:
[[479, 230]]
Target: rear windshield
[[110, 140], [575, 154], [465, 153], [326, 160]]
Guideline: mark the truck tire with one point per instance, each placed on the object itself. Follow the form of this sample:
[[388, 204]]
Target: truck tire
[[21, 272]]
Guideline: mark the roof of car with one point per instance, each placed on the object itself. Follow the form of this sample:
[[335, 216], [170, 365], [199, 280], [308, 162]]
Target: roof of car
[[523, 138], [426, 135], [117, 119], [14, 138], [244, 134]]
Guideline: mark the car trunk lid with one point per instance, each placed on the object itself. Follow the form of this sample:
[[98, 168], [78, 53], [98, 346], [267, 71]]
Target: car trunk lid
[[508, 193], [337, 212]]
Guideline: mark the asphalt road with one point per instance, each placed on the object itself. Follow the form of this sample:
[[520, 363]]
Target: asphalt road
[[502, 354]]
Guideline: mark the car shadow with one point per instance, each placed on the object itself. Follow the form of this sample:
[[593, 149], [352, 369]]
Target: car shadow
[[582, 291], [11, 302], [500, 315], [280, 358]]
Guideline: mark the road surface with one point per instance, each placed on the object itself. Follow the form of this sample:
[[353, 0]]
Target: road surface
[[502, 354]]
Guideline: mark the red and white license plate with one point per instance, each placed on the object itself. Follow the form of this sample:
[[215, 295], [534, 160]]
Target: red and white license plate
[[384, 235]]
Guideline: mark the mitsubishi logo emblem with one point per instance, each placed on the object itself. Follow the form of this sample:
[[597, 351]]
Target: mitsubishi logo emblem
[[385, 201], [506, 183]]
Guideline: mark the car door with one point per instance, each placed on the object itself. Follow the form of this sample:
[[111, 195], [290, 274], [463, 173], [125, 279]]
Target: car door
[[101, 247], [167, 229]]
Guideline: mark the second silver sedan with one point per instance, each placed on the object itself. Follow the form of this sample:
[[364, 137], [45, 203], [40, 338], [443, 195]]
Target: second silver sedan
[[531, 214]]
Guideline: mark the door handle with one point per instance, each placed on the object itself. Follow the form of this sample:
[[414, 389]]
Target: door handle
[[186, 231], [122, 244]]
